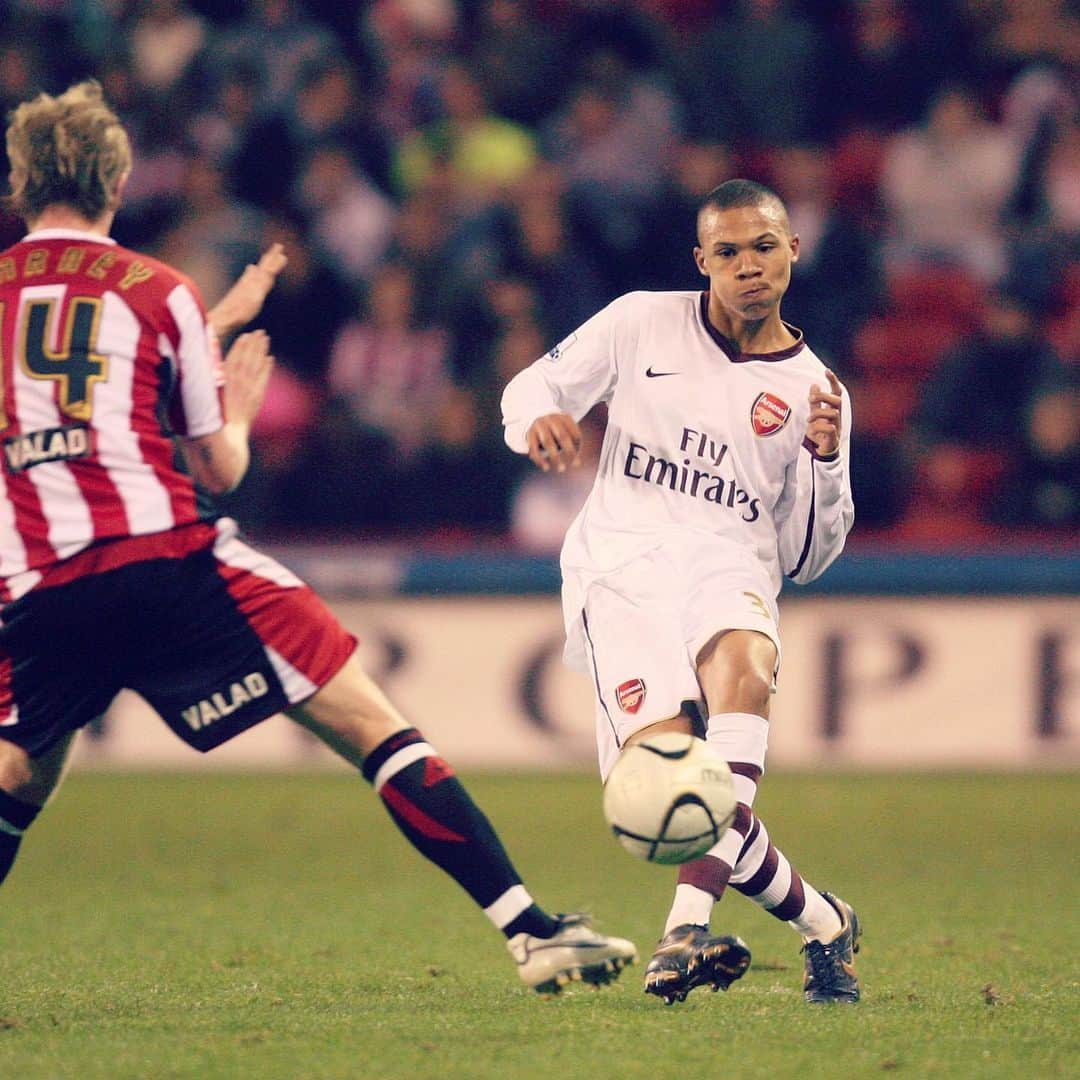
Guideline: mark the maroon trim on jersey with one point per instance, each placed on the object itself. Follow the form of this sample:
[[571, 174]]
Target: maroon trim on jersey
[[816, 454], [728, 346], [808, 539], [298, 631], [112, 554]]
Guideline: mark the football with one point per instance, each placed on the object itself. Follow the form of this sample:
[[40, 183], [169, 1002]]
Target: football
[[669, 798]]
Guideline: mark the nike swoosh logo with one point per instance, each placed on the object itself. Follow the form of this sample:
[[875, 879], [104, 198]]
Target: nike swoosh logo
[[649, 373]]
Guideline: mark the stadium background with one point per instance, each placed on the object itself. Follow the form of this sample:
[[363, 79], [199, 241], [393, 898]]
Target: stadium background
[[461, 183], [214, 924]]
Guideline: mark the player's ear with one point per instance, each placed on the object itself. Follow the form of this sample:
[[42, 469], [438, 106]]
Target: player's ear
[[699, 261], [118, 191], [794, 242]]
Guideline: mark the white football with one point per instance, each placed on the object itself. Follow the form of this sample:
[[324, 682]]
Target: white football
[[669, 798]]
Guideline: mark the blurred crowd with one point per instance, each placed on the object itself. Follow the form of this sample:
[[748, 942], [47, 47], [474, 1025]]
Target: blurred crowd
[[459, 183]]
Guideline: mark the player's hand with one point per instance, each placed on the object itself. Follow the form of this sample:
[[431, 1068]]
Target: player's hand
[[555, 440], [247, 373], [248, 294], [823, 428]]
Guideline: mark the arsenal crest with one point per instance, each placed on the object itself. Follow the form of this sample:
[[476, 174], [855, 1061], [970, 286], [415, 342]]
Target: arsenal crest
[[769, 414], [630, 695]]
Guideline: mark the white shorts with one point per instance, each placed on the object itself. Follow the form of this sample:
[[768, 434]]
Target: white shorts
[[644, 625]]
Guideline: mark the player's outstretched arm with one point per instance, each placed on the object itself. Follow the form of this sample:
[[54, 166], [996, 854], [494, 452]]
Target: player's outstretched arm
[[246, 297], [554, 439], [218, 462]]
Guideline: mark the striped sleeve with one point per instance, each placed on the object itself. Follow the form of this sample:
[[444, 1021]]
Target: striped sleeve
[[197, 411]]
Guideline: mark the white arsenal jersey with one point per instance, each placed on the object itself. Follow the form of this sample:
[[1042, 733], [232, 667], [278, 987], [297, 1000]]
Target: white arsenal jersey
[[699, 437], [103, 354]]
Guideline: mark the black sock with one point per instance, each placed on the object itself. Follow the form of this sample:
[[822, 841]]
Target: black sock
[[435, 813], [533, 920], [16, 817]]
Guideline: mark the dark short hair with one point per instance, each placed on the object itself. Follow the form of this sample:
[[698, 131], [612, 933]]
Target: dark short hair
[[738, 193]]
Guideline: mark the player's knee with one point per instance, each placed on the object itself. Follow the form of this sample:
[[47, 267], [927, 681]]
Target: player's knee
[[351, 707], [736, 673], [15, 768], [738, 688], [751, 692]]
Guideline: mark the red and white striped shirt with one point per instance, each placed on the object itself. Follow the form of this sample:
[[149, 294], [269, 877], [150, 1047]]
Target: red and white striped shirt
[[104, 353]]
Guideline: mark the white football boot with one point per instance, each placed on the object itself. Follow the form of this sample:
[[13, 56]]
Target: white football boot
[[574, 953]]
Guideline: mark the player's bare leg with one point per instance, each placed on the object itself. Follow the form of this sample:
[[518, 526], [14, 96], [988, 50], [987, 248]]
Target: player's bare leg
[[681, 724], [350, 714], [433, 810], [25, 786]]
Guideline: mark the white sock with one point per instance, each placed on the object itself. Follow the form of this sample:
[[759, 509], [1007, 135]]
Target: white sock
[[741, 738], [691, 905], [509, 906], [818, 921]]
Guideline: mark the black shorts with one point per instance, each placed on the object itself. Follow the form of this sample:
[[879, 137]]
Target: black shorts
[[216, 639]]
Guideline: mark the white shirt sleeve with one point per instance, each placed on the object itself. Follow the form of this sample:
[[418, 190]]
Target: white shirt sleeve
[[816, 511], [571, 378]]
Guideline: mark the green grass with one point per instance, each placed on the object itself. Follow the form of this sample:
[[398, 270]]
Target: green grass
[[278, 927]]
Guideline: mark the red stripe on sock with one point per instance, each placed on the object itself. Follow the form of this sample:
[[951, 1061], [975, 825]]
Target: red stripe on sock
[[743, 817], [751, 837], [791, 907], [414, 816], [763, 878], [744, 768], [707, 873]]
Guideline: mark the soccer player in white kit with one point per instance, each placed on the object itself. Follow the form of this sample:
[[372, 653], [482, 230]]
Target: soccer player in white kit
[[724, 469]]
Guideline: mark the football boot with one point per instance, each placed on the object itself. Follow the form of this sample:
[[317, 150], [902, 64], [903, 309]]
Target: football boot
[[687, 957], [830, 966], [574, 953]]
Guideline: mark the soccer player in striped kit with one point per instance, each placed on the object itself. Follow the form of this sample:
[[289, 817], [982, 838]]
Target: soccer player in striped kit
[[724, 469], [113, 572]]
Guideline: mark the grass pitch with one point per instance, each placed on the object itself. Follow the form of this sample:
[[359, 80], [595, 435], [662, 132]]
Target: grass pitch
[[278, 927]]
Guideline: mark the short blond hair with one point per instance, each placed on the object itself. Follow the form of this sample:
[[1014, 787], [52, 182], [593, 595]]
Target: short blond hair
[[70, 150]]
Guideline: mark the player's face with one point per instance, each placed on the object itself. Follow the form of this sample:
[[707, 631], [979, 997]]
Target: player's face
[[746, 253]]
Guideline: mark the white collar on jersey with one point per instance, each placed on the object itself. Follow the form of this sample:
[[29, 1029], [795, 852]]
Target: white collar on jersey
[[68, 234]]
